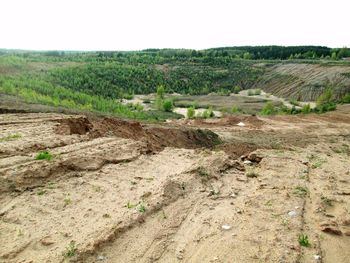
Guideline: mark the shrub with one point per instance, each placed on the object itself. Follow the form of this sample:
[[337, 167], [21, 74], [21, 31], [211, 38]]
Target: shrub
[[304, 240], [44, 155], [257, 92], [306, 109], [294, 102], [268, 109], [236, 89], [190, 112], [168, 105], [325, 97], [251, 92], [235, 109], [346, 98]]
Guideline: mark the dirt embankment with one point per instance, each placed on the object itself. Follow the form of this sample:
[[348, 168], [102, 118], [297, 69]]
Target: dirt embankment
[[305, 82]]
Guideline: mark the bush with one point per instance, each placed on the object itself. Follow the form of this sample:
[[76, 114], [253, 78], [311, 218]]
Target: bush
[[346, 98], [251, 92], [257, 92], [168, 105], [330, 106], [44, 155], [325, 97], [306, 109], [294, 102], [190, 112], [268, 109], [236, 89], [235, 109]]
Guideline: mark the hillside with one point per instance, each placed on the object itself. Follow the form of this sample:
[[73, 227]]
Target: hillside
[[304, 82], [97, 81]]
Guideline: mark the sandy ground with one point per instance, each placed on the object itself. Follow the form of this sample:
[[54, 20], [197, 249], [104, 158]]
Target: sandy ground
[[123, 192]]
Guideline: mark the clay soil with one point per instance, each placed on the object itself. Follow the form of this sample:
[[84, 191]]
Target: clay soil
[[186, 191]]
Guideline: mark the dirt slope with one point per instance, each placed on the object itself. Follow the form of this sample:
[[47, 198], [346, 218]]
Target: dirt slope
[[123, 192], [305, 82]]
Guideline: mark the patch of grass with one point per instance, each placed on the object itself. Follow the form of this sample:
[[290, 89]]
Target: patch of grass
[[71, 250], [326, 201], [41, 192], [130, 205], [44, 155], [67, 201], [301, 191], [10, 137], [141, 208], [304, 240], [202, 172], [252, 174]]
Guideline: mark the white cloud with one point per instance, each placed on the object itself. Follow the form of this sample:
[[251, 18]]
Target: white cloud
[[139, 24]]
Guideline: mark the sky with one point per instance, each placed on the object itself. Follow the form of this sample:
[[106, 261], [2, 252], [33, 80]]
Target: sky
[[141, 24]]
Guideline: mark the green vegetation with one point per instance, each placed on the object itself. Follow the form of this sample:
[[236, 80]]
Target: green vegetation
[[44, 155], [141, 208], [190, 112], [168, 105], [252, 174], [10, 137], [268, 109], [304, 240], [301, 191], [71, 250], [96, 81], [326, 201], [202, 172]]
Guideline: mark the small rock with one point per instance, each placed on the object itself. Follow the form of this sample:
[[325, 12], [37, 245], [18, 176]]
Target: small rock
[[317, 257], [46, 241], [233, 195], [247, 162], [226, 227], [292, 213], [241, 124], [347, 233], [100, 258], [306, 162]]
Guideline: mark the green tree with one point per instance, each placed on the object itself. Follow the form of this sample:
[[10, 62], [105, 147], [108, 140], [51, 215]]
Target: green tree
[[190, 112], [168, 105], [160, 92]]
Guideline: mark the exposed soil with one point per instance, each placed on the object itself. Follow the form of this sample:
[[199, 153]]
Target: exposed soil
[[120, 191]]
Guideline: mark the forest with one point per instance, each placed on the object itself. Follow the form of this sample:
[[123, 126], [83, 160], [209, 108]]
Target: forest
[[95, 80]]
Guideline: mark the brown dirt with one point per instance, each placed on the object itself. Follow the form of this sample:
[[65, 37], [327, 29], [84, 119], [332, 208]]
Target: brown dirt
[[129, 192]]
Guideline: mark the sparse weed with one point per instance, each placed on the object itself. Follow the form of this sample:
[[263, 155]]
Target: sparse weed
[[41, 192], [71, 250], [67, 201], [326, 201], [141, 208], [130, 205], [10, 137], [301, 191], [201, 171], [252, 174], [44, 155], [304, 240]]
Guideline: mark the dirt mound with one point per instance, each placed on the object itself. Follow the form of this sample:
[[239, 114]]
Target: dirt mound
[[156, 137], [74, 126], [237, 149], [181, 138]]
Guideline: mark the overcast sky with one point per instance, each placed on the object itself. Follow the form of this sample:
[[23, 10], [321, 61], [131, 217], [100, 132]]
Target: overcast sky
[[140, 24]]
